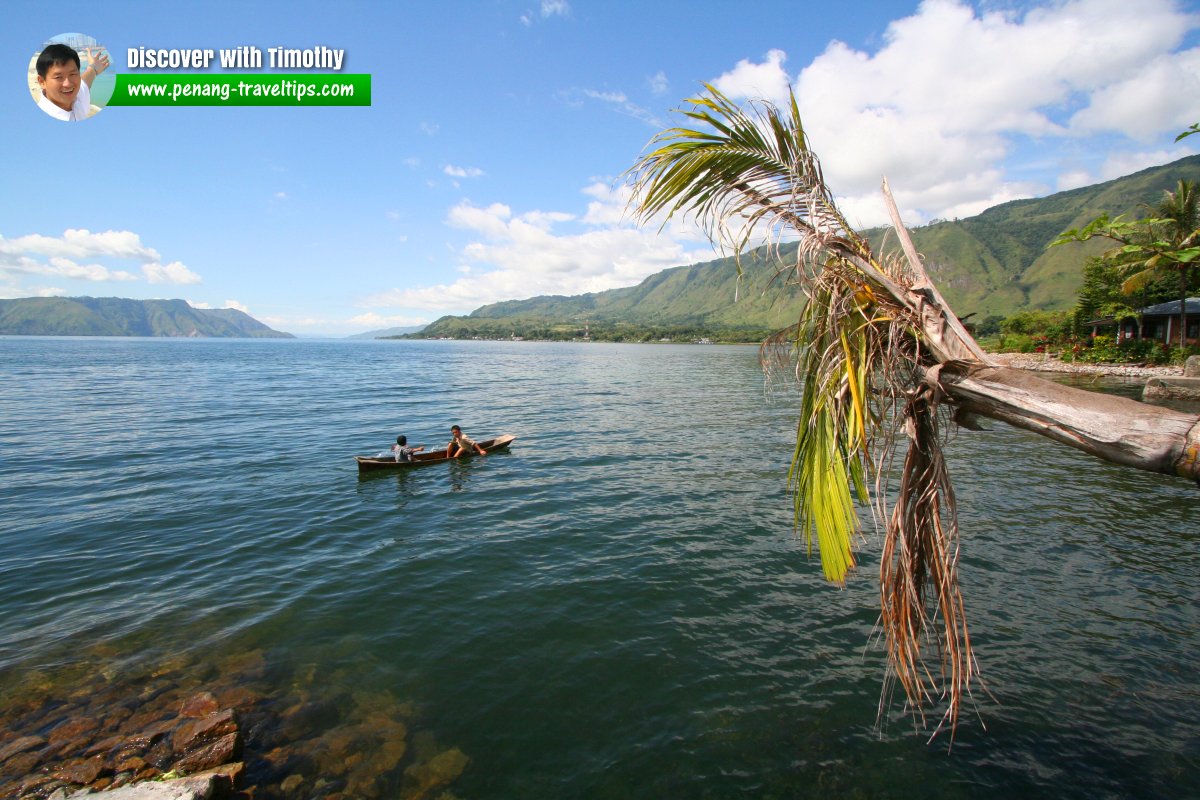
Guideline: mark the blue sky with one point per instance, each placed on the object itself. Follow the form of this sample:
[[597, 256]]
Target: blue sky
[[488, 166]]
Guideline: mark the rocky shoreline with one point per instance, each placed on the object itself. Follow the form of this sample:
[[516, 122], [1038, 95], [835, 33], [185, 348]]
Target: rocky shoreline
[[1042, 362]]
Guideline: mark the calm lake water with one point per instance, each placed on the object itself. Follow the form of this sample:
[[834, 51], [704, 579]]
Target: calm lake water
[[615, 608]]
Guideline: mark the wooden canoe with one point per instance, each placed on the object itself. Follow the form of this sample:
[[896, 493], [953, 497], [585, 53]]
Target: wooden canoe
[[371, 463]]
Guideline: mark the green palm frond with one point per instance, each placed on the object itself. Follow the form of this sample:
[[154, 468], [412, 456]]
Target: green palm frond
[[859, 348], [740, 172], [747, 171], [834, 429]]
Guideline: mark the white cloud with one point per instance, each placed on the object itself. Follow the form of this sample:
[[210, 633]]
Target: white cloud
[[607, 206], [12, 265], [234, 304], [953, 94], [67, 268], [12, 292], [549, 8], [620, 102], [462, 172], [659, 83], [81, 243], [525, 255], [175, 272], [492, 221], [608, 97], [77, 255], [1156, 96], [1119, 164], [767, 80]]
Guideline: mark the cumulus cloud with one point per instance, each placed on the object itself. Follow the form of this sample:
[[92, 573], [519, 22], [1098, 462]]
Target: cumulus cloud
[[768, 80], [462, 172], [953, 94], [175, 272], [79, 255], [80, 244], [1147, 101], [57, 266], [523, 255]]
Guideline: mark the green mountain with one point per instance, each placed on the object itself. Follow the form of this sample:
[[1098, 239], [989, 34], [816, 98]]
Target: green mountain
[[995, 263], [998, 262], [115, 316]]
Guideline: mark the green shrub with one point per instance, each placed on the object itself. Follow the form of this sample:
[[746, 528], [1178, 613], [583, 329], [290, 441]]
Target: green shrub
[[1178, 355], [1106, 350], [1016, 343], [1051, 324]]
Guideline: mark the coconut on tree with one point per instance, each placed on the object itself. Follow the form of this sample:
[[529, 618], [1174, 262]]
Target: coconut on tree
[[885, 367]]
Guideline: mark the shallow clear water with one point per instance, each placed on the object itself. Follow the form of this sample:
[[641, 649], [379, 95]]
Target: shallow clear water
[[614, 608]]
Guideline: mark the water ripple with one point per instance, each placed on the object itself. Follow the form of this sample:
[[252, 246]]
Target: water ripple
[[615, 608]]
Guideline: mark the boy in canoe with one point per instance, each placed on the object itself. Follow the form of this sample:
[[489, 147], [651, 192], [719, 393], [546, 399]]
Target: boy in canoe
[[461, 443], [402, 451]]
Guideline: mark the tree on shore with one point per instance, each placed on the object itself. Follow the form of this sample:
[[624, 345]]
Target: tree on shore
[[880, 358], [1100, 296], [1165, 244]]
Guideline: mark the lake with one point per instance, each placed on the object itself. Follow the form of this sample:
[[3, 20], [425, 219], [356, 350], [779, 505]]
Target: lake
[[615, 608]]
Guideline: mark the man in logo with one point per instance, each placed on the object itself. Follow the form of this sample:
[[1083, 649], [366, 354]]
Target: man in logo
[[67, 93]]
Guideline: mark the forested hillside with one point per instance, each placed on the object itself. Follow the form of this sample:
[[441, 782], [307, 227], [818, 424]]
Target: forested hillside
[[996, 263]]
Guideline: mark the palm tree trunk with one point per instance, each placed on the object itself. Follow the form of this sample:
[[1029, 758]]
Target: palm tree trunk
[[1116, 429]]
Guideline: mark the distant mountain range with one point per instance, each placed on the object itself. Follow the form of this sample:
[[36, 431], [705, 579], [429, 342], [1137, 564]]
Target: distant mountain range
[[995, 263], [386, 332], [115, 316]]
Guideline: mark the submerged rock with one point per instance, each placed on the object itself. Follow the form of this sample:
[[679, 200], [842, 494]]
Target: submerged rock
[[193, 788], [199, 705], [1172, 389], [423, 779], [19, 746], [130, 734]]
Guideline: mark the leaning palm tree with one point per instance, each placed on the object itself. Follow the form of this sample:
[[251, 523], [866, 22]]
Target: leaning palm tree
[[884, 367]]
